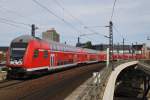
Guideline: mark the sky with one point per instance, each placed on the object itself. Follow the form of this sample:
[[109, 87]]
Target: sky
[[131, 20]]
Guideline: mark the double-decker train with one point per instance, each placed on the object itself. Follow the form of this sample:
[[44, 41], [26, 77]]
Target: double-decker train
[[28, 55]]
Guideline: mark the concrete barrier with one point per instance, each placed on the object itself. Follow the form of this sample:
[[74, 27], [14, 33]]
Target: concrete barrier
[[109, 90]]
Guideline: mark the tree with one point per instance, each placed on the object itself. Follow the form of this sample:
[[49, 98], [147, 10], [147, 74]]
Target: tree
[[88, 44]]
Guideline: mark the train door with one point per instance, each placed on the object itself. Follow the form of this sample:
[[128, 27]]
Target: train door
[[52, 60], [75, 58]]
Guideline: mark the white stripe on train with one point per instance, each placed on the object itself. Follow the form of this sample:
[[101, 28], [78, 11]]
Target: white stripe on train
[[56, 67]]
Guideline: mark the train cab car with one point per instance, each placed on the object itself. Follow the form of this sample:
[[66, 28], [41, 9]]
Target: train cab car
[[26, 54]]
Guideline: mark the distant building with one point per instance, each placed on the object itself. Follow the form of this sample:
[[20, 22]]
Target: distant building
[[136, 49], [51, 34], [146, 52], [3, 50]]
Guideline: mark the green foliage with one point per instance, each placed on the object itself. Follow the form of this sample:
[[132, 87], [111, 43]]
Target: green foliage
[[88, 44]]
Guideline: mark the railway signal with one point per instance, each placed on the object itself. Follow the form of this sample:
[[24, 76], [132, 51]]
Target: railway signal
[[33, 28]]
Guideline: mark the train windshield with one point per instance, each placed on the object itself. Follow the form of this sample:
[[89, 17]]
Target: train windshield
[[17, 50]]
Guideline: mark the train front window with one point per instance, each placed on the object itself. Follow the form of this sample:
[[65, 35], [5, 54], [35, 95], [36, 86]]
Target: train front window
[[18, 50], [36, 53]]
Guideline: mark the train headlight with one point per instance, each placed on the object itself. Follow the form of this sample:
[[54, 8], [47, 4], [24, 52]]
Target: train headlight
[[9, 68], [20, 62], [11, 62]]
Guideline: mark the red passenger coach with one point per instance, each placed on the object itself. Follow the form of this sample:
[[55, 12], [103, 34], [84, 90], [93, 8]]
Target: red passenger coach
[[29, 54]]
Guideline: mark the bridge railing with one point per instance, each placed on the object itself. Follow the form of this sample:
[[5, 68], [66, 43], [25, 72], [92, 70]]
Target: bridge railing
[[96, 85], [146, 61]]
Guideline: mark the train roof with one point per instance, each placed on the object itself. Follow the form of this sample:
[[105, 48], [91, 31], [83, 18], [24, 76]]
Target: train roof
[[91, 50], [23, 38], [54, 45]]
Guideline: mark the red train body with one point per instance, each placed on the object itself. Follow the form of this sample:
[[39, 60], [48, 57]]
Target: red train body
[[29, 54]]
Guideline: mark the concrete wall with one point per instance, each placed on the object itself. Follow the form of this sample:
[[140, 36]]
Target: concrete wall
[[109, 90]]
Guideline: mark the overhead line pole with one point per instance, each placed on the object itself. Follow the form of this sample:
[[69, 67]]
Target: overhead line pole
[[111, 43], [33, 30], [123, 46], [132, 50]]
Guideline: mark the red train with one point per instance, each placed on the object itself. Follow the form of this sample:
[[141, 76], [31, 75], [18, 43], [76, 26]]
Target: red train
[[29, 54]]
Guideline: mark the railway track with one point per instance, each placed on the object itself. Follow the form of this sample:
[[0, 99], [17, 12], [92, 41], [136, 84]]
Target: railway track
[[8, 83], [55, 86]]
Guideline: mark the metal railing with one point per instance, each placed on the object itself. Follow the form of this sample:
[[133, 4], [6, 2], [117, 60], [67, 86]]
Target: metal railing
[[145, 61]]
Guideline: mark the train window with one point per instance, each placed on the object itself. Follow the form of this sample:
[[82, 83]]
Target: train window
[[36, 53], [58, 47], [55, 47], [45, 54], [52, 47]]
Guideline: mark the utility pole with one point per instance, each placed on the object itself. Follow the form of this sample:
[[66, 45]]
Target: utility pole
[[118, 49], [111, 43], [136, 50], [123, 46], [78, 40], [78, 43], [132, 50], [33, 30]]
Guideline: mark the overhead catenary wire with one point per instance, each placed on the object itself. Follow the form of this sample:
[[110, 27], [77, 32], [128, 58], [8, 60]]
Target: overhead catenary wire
[[75, 18], [115, 28], [94, 26], [113, 9], [88, 38], [68, 12], [6, 10], [15, 22], [52, 13], [94, 32], [11, 24]]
